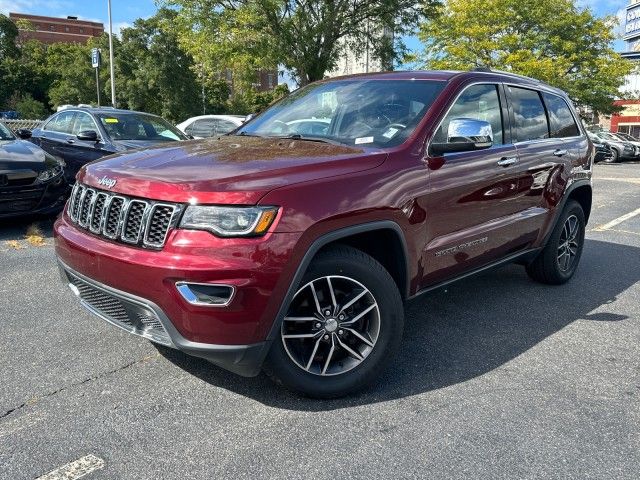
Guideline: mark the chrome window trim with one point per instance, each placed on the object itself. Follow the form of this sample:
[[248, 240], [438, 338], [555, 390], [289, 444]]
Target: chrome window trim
[[546, 89]]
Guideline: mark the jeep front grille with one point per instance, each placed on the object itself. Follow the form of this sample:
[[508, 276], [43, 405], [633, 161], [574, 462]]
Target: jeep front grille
[[118, 217]]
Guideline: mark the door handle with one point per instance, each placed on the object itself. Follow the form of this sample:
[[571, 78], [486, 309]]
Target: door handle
[[507, 161], [560, 152], [71, 140]]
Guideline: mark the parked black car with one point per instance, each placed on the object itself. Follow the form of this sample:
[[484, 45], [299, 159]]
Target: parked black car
[[81, 135], [603, 151], [620, 148], [31, 180]]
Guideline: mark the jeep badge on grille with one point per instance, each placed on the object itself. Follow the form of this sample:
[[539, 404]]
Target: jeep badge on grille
[[107, 182]]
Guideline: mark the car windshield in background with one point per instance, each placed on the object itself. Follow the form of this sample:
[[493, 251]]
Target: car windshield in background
[[376, 113], [136, 126], [5, 133]]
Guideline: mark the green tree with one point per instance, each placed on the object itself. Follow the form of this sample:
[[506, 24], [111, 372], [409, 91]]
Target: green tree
[[29, 108], [155, 74], [552, 40], [306, 36]]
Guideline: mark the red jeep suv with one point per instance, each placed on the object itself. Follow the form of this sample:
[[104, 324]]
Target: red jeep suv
[[291, 244]]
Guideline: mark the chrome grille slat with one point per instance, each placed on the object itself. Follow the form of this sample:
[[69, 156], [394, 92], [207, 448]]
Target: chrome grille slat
[[117, 217]]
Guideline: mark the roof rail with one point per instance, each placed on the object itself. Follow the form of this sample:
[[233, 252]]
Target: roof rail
[[510, 74]]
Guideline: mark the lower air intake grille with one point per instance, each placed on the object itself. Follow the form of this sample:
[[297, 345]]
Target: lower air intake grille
[[130, 316]]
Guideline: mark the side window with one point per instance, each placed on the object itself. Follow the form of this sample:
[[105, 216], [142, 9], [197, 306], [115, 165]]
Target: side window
[[530, 117], [61, 123], [205, 127], [480, 102], [225, 126], [561, 120], [83, 122]]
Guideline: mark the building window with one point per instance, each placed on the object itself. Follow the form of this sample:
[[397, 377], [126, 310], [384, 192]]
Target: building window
[[270, 80], [81, 30], [66, 29], [52, 28]]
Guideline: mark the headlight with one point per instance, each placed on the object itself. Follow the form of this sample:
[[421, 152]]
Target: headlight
[[50, 173], [229, 221]]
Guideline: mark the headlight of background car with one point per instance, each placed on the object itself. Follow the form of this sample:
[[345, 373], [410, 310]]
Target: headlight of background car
[[229, 221], [50, 173]]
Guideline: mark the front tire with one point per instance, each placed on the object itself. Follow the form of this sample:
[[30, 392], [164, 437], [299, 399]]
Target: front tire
[[342, 326], [615, 156], [559, 259]]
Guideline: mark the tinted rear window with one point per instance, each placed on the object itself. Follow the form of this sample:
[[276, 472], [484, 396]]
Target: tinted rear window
[[530, 116], [561, 120]]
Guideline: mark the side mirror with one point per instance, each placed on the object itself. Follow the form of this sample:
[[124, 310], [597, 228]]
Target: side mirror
[[464, 135], [23, 133], [88, 136]]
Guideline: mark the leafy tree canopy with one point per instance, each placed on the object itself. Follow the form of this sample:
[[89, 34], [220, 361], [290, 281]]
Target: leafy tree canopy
[[552, 40], [306, 36]]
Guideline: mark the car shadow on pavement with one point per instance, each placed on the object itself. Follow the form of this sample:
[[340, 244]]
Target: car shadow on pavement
[[474, 326]]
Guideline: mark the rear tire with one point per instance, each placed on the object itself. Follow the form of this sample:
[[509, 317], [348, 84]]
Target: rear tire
[[558, 260], [330, 345]]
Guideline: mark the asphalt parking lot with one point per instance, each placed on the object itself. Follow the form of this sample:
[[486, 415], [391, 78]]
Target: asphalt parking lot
[[498, 377]]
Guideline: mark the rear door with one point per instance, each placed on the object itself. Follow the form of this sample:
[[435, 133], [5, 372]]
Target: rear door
[[55, 132], [540, 153]]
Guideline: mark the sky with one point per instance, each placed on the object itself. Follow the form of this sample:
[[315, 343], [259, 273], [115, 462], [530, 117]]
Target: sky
[[125, 12]]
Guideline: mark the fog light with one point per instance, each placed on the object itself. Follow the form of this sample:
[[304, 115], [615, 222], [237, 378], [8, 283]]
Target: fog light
[[207, 294]]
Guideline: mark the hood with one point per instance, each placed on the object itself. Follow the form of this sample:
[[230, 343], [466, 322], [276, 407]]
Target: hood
[[23, 156], [232, 170]]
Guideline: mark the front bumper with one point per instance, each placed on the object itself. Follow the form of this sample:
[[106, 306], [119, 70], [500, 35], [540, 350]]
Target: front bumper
[[142, 317], [232, 335], [44, 199]]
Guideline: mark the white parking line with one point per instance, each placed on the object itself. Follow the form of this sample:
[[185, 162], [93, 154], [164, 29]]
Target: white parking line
[[76, 469], [617, 221]]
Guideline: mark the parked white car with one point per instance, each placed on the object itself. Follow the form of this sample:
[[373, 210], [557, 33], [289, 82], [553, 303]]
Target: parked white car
[[210, 125]]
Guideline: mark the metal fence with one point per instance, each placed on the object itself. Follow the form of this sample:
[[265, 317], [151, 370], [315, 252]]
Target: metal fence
[[17, 124]]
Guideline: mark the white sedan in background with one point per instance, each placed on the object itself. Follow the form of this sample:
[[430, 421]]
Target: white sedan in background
[[210, 125]]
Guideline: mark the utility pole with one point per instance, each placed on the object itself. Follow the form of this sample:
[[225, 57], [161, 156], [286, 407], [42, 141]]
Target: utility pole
[[113, 77]]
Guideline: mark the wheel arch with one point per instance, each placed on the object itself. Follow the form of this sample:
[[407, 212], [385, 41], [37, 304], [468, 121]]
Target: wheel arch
[[353, 235]]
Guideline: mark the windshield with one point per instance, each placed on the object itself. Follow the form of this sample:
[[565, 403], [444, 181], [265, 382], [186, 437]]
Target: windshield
[[138, 126], [608, 136], [5, 133], [376, 113]]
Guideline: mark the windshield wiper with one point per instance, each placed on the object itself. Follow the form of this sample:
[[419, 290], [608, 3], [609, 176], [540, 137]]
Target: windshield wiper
[[245, 134], [297, 136]]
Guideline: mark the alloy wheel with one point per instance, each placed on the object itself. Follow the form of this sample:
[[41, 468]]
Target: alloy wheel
[[568, 245], [332, 325]]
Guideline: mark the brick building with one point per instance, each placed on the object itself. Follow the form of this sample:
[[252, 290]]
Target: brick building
[[52, 29]]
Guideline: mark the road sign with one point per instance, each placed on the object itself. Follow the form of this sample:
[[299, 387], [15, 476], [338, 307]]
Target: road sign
[[95, 57]]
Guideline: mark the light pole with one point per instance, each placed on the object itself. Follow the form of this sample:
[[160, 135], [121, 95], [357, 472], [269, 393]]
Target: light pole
[[113, 77]]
